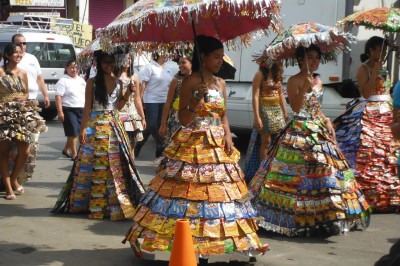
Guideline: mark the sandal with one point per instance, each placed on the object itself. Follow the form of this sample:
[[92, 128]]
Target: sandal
[[20, 190], [11, 197]]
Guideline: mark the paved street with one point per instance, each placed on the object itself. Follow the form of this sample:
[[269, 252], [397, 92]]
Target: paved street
[[30, 235]]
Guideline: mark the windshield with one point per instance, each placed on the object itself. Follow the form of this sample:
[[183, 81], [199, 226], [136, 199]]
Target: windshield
[[51, 55]]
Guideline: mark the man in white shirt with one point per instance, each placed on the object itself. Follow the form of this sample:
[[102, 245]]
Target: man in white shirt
[[30, 65]]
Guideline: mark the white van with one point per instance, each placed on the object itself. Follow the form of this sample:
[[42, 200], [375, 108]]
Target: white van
[[52, 51]]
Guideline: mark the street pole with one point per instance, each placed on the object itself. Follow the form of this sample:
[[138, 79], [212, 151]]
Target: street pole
[[346, 56]]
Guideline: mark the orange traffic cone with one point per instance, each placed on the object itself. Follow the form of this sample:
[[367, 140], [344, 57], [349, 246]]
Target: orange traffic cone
[[182, 253]]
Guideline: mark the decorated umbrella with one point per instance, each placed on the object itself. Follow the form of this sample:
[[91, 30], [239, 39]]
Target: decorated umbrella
[[384, 18], [284, 46], [156, 24], [87, 54]]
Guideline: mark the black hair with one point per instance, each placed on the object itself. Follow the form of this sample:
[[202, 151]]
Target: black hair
[[276, 69], [206, 45], [155, 56], [9, 49], [16, 36], [100, 92], [302, 51], [372, 43], [69, 62]]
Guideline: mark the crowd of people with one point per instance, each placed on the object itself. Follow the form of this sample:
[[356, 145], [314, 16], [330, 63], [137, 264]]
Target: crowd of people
[[303, 175]]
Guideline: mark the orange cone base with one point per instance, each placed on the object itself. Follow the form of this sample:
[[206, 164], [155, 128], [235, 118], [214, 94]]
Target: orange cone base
[[182, 253]]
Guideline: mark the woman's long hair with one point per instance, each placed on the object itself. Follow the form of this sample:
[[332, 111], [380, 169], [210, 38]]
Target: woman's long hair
[[277, 71], [100, 91], [372, 43], [9, 49], [206, 45]]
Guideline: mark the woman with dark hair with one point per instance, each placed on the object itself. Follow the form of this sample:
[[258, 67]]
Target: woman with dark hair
[[103, 180], [132, 114], [270, 114], [70, 100], [305, 183], [199, 177], [155, 81], [170, 121], [364, 135], [20, 119]]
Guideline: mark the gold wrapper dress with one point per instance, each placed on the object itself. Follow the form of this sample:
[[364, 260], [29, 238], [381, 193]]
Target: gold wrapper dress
[[197, 180], [19, 121], [305, 182], [103, 180]]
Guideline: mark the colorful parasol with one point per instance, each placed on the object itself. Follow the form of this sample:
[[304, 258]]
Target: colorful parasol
[[284, 46], [154, 24], [383, 18]]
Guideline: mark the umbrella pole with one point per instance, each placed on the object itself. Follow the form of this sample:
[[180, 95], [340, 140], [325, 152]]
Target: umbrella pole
[[305, 55], [196, 46]]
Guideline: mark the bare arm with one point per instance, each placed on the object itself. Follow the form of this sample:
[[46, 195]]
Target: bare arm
[[282, 102], [257, 80], [167, 107], [60, 112], [225, 122], [43, 89], [366, 83], [137, 100]]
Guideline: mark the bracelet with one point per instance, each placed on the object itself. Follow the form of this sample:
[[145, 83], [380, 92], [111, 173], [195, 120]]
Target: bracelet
[[196, 96]]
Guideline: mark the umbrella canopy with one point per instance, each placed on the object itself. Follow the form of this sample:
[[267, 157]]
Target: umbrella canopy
[[168, 22], [87, 54], [284, 46], [384, 18]]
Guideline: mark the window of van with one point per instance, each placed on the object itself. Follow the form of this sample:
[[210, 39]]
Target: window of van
[[51, 55]]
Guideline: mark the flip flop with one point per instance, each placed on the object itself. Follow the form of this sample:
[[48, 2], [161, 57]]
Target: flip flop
[[66, 154], [20, 190], [11, 197]]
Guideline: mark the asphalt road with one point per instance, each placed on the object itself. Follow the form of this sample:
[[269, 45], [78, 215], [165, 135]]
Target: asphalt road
[[30, 235]]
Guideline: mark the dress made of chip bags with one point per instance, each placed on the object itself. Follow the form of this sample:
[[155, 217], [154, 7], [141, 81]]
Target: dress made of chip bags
[[130, 117], [364, 134], [198, 181], [273, 122], [305, 182], [103, 180], [19, 121]]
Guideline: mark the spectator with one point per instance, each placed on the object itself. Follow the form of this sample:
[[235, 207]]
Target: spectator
[[170, 122], [70, 99], [30, 65], [155, 82]]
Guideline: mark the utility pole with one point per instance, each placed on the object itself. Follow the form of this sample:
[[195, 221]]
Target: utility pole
[[346, 56]]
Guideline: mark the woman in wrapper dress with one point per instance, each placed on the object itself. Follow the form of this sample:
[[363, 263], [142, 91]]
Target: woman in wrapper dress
[[364, 135], [170, 121], [198, 177], [270, 114], [132, 113], [305, 183], [19, 121], [103, 180]]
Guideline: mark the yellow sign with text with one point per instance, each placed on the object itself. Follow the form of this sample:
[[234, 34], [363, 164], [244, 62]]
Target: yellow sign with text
[[80, 33]]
